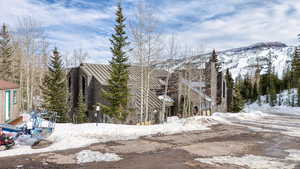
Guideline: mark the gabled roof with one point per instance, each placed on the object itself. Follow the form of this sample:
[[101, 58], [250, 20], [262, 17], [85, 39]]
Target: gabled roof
[[101, 73], [7, 85]]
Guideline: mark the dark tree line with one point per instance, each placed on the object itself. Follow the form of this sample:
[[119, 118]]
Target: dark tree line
[[249, 89]]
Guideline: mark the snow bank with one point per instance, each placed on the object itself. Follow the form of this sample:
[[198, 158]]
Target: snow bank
[[68, 136], [274, 110], [252, 161], [233, 117], [294, 155], [285, 98], [87, 156]]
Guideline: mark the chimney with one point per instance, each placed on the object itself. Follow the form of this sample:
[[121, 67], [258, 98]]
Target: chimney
[[4, 31], [55, 52]]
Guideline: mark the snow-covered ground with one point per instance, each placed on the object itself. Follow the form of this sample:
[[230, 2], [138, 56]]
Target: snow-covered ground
[[284, 100], [68, 136]]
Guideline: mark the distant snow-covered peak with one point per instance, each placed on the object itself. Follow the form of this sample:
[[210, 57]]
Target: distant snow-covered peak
[[243, 60]]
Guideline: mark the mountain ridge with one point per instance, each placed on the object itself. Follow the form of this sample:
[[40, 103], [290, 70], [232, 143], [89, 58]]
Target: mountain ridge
[[242, 60]]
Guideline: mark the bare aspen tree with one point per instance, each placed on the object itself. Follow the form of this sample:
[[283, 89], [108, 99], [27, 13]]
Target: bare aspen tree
[[146, 43], [33, 49], [76, 58], [171, 53]]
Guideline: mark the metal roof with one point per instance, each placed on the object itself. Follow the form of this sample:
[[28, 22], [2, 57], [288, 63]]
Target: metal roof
[[101, 73]]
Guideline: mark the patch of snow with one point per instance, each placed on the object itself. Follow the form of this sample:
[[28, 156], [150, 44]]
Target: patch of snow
[[275, 110], [294, 155], [87, 156], [166, 98], [251, 161], [290, 126], [246, 115]]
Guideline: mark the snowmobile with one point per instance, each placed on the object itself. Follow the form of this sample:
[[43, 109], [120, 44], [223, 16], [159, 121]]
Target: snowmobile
[[36, 127], [6, 142]]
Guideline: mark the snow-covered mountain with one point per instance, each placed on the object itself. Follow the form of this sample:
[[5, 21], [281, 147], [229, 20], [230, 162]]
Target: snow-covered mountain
[[242, 61]]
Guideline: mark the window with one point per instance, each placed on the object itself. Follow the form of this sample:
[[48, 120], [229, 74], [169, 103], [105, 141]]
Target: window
[[224, 88], [70, 83], [15, 97], [83, 87]]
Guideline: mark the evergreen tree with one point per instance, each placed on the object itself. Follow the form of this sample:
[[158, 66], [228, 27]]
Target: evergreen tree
[[280, 100], [295, 69], [215, 59], [117, 92], [293, 101], [238, 101], [81, 115], [273, 95], [6, 55], [254, 94], [54, 87], [229, 79], [246, 89], [230, 86], [296, 73]]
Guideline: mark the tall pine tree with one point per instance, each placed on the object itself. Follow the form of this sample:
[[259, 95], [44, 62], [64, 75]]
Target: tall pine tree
[[230, 86], [238, 101], [295, 73], [54, 87], [6, 56], [117, 92], [81, 109]]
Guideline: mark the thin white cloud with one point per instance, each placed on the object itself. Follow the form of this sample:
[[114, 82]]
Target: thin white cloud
[[214, 23], [48, 14], [260, 23]]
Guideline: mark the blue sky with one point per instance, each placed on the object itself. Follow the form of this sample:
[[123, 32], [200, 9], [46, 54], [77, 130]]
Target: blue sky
[[219, 24]]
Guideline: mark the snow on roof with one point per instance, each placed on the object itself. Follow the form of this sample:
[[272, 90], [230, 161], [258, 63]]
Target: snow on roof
[[166, 98]]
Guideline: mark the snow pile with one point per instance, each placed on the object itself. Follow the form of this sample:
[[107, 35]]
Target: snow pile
[[233, 117], [87, 156], [273, 110], [67, 136], [294, 155], [285, 99], [252, 161]]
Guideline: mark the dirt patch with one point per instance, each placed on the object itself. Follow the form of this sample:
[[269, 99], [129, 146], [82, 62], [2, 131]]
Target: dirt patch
[[138, 146], [218, 148], [41, 144], [60, 159]]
